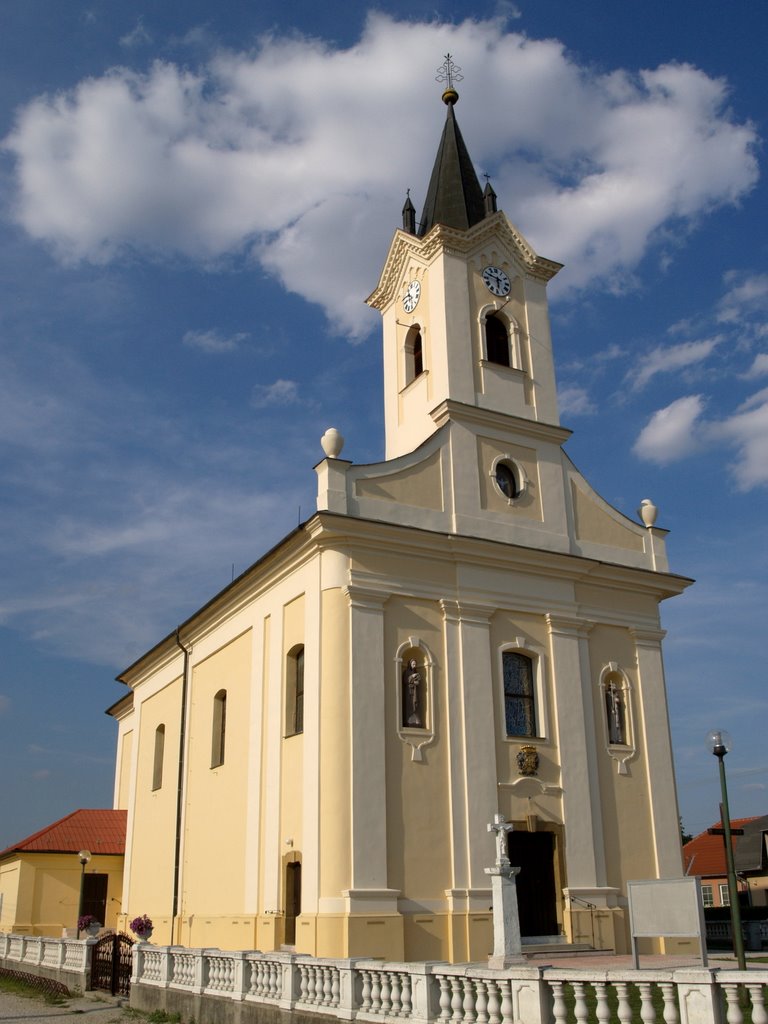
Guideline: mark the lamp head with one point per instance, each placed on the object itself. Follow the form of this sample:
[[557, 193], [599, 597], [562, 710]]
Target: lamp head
[[84, 856], [719, 742]]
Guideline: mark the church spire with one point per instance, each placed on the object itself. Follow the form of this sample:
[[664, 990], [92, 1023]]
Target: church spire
[[454, 196]]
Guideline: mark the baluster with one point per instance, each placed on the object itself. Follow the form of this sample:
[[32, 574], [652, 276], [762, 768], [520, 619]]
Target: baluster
[[405, 980], [386, 989], [580, 1007], [445, 997], [469, 1001], [759, 1015], [481, 1002], [366, 995], [335, 987], [326, 986], [624, 1009], [375, 992], [395, 985], [647, 1012], [494, 1003], [558, 1004], [304, 983], [506, 1000], [457, 998], [310, 984], [733, 1013], [671, 1014], [603, 1010], [271, 975]]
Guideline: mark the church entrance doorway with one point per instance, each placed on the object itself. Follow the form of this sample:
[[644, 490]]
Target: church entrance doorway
[[534, 854], [292, 900]]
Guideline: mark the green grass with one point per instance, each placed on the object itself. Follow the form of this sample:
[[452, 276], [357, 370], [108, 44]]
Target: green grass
[[30, 990]]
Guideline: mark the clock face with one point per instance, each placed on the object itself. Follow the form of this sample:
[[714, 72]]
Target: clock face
[[412, 296], [496, 281]]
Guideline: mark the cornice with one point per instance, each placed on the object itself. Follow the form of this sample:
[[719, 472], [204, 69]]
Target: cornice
[[464, 242], [452, 410]]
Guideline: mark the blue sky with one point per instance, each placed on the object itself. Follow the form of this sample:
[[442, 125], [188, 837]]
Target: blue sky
[[195, 200]]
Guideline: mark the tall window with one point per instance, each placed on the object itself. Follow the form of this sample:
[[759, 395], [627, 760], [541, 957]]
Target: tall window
[[707, 895], [414, 354], [496, 341], [295, 692], [725, 896], [218, 728], [157, 766], [519, 695]]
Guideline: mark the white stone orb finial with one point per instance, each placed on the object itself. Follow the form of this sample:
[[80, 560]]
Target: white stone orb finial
[[332, 443], [648, 512]]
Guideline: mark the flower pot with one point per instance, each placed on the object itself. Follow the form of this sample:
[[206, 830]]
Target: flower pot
[[144, 936], [93, 929]]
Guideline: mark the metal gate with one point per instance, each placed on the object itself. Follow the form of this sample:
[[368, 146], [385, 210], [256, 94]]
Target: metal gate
[[111, 961]]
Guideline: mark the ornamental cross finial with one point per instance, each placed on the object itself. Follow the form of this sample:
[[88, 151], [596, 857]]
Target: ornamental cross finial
[[501, 827], [449, 72]]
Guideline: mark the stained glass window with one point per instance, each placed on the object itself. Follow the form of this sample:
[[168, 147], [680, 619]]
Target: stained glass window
[[519, 698]]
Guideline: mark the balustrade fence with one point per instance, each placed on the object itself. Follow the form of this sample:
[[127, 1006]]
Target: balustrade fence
[[370, 990], [65, 960]]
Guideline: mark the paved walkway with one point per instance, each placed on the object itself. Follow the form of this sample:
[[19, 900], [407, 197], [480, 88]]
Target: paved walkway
[[96, 1008]]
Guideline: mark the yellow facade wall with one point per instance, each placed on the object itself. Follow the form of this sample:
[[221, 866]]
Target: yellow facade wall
[[124, 771], [152, 839], [41, 891], [214, 823]]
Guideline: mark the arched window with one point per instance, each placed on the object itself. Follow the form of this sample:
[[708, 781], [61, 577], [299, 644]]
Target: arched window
[[519, 694], [414, 354], [294, 705], [616, 700], [157, 766], [219, 728], [496, 341]]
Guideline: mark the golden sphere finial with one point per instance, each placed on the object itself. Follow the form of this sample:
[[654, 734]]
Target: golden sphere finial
[[449, 73]]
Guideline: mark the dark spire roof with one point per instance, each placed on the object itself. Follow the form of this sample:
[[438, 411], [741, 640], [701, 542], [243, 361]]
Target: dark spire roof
[[454, 196]]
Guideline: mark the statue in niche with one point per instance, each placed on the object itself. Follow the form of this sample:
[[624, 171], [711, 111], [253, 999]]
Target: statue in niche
[[614, 709], [413, 682]]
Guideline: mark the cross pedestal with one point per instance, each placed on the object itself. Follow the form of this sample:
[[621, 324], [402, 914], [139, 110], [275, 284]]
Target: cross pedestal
[[507, 945]]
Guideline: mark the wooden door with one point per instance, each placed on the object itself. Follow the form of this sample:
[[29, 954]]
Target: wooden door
[[292, 901]]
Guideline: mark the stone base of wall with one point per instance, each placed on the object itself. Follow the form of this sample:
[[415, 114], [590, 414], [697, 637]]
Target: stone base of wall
[[206, 1009]]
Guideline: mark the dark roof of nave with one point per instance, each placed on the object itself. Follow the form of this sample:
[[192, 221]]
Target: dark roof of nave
[[454, 197]]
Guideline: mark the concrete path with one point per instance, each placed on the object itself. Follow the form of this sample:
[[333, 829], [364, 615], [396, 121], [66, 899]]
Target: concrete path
[[95, 1008]]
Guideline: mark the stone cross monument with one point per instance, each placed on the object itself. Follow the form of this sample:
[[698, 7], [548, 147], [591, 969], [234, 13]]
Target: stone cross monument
[[507, 947]]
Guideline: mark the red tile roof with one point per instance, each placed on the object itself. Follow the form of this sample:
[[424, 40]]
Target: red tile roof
[[704, 855], [100, 831]]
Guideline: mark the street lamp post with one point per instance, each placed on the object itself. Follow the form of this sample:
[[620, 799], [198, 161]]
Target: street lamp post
[[84, 856], [719, 743]]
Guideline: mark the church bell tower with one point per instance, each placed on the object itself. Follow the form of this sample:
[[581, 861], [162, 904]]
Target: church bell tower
[[464, 306]]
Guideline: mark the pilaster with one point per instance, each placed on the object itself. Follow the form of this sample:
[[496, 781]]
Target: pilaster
[[473, 773], [367, 769], [573, 706], [654, 723]]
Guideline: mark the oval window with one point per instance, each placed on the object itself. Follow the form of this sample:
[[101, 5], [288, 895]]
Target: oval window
[[506, 481]]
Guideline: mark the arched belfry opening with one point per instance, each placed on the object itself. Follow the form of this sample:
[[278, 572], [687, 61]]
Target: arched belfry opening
[[496, 340], [414, 354]]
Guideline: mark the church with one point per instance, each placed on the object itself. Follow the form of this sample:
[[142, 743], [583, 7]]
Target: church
[[466, 628]]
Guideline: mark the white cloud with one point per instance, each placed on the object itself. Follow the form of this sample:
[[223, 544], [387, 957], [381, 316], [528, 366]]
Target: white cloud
[[214, 341], [749, 296], [575, 401], [138, 36], [759, 367], [666, 360], [669, 435], [748, 430], [246, 154], [281, 392]]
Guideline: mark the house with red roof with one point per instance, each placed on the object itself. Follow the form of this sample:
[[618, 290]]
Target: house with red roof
[[44, 877], [704, 856]]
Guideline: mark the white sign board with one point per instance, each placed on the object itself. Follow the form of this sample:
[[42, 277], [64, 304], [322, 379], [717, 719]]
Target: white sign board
[[668, 907]]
